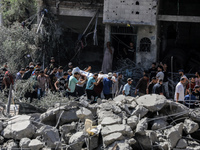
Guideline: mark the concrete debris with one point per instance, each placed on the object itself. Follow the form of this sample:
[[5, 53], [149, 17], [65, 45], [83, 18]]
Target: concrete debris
[[132, 121], [174, 134], [127, 123], [182, 143], [35, 144], [109, 139], [18, 128], [84, 113], [142, 126], [10, 145], [152, 102], [77, 140], [190, 126], [158, 124], [24, 142], [140, 111]]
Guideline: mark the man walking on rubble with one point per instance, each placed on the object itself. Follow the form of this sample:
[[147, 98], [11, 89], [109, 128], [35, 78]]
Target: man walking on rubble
[[107, 86], [142, 86], [92, 81], [108, 58], [73, 80], [127, 87], [179, 92], [158, 88]]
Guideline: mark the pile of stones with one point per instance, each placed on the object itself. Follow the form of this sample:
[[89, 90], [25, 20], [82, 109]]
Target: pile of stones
[[146, 122]]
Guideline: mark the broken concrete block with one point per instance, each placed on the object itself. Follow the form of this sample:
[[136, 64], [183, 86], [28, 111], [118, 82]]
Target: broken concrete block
[[110, 121], [77, 140], [140, 111], [125, 107], [102, 114], [145, 140], [19, 128], [120, 145], [133, 104], [195, 114], [131, 141], [152, 102], [24, 142], [67, 117], [190, 126], [1, 126], [142, 126], [109, 139], [10, 145], [94, 142], [132, 121], [182, 143], [158, 124], [129, 99], [193, 148], [124, 129], [174, 134], [35, 144], [1, 140], [84, 113], [50, 135], [164, 145], [68, 128], [119, 98]]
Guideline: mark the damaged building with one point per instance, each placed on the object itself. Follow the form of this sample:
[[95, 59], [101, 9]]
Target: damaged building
[[162, 31]]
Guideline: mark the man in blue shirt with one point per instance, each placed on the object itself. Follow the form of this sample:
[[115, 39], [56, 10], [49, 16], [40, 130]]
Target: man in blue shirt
[[107, 86], [90, 85], [127, 87]]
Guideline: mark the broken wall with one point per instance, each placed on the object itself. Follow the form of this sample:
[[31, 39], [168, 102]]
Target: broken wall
[[141, 12], [145, 58]]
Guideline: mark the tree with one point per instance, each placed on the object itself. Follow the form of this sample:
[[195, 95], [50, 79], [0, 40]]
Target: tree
[[17, 10]]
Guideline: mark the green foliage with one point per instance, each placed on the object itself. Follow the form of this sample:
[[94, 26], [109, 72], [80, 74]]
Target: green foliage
[[15, 44], [17, 10]]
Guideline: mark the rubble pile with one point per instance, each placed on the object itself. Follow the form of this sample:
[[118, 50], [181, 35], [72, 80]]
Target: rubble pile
[[124, 123]]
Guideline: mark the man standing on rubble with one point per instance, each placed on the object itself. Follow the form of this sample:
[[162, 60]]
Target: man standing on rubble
[[108, 58], [152, 71], [179, 92]]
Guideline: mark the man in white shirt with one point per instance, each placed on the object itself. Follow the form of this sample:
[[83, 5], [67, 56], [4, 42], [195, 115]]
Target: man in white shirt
[[179, 92], [115, 84]]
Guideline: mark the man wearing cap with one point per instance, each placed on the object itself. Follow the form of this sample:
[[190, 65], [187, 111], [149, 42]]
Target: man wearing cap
[[73, 80], [107, 86], [92, 81], [61, 83], [142, 85], [158, 88], [127, 87], [28, 73], [179, 92]]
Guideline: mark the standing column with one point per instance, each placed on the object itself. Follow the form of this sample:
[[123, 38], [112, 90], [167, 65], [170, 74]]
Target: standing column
[[107, 37]]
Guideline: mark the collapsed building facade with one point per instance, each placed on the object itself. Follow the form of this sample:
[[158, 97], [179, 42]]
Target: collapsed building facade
[[158, 29]]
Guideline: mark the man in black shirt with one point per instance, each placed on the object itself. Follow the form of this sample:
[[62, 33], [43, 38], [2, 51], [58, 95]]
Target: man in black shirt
[[165, 80], [28, 73], [52, 65], [142, 86], [153, 71], [53, 79], [151, 84], [61, 84], [196, 92], [158, 88]]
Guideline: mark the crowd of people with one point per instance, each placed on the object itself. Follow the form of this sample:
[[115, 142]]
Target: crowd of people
[[100, 85]]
